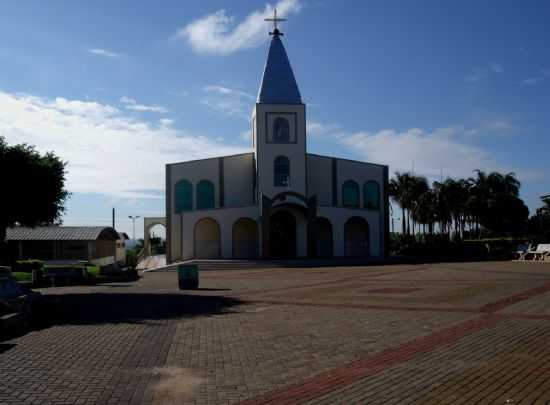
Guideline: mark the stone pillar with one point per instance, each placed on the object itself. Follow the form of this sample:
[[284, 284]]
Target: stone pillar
[[311, 228], [265, 212], [146, 242]]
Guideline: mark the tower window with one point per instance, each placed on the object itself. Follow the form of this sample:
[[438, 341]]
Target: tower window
[[281, 172], [281, 130]]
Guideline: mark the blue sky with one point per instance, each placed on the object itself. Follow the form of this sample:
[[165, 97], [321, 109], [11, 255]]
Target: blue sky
[[118, 89]]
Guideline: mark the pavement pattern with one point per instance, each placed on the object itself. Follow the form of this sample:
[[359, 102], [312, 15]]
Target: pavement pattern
[[448, 333]]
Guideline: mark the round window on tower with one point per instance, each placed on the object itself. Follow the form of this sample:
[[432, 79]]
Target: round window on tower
[[281, 130]]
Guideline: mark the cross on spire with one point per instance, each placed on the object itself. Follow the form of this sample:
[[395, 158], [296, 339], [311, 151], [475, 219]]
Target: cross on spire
[[275, 20]]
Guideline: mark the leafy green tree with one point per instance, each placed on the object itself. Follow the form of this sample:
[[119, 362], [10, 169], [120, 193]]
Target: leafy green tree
[[495, 202], [34, 187], [539, 224]]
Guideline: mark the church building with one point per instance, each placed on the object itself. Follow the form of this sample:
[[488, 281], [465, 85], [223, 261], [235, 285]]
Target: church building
[[277, 201]]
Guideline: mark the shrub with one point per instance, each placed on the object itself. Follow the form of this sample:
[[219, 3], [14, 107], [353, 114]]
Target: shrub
[[131, 258], [93, 271], [22, 277], [27, 266]]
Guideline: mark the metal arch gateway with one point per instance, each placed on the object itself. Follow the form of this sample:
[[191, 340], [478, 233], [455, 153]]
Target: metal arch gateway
[[148, 223]]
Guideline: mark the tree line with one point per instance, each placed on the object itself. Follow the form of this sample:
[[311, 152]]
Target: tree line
[[485, 204]]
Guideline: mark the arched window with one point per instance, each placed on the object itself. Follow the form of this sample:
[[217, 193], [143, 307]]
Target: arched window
[[281, 130], [281, 172], [350, 194], [205, 195], [183, 196], [371, 195]]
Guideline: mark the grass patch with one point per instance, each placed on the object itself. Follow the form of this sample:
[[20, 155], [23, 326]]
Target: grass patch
[[93, 271], [22, 277]]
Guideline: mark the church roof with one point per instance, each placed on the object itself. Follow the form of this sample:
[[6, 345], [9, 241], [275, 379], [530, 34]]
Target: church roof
[[278, 82]]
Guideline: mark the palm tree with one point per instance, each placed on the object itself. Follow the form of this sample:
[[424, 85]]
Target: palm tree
[[398, 191], [426, 209], [418, 186]]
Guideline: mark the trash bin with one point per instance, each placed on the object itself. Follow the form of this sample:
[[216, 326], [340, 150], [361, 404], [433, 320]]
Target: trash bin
[[188, 276]]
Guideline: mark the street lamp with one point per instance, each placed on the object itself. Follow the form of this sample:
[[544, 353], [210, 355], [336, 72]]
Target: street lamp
[[133, 218]]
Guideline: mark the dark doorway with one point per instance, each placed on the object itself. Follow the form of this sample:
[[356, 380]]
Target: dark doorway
[[356, 237], [282, 235], [323, 232]]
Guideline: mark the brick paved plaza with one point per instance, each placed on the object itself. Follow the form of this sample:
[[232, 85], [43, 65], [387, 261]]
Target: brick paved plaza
[[473, 333]]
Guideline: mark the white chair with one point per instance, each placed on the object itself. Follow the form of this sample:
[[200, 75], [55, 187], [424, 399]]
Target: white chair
[[521, 250]]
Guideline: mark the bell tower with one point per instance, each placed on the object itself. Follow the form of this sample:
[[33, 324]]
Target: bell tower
[[279, 125]]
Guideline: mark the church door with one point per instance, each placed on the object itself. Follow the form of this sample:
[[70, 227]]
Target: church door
[[282, 235]]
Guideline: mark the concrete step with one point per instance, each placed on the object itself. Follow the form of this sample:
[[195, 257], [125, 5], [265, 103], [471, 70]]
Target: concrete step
[[207, 265]]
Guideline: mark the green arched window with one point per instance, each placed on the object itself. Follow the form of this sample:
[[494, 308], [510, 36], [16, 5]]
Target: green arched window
[[371, 195], [205, 195], [183, 196], [350, 194]]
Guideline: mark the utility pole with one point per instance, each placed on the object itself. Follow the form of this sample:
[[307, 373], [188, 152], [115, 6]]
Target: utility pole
[[133, 218], [114, 218]]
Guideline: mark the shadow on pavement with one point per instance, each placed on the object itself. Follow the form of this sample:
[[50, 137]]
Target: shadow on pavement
[[96, 308], [4, 347]]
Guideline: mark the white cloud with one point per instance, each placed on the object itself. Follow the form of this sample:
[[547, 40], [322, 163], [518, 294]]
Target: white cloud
[[476, 75], [132, 105], [148, 108], [108, 151], [496, 67], [227, 101], [178, 93], [217, 33], [481, 73], [542, 76], [105, 52], [166, 122], [227, 91], [532, 81], [246, 135], [127, 100], [499, 126], [315, 128], [428, 152]]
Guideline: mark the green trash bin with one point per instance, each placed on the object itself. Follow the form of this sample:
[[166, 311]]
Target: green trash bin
[[188, 276]]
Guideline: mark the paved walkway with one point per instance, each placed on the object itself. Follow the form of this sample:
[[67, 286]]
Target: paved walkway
[[471, 333], [152, 262]]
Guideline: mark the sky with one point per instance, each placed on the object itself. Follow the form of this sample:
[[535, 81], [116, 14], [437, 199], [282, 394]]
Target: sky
[[119, 89]]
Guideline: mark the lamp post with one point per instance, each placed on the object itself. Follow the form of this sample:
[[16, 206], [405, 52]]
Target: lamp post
[[133, 218]]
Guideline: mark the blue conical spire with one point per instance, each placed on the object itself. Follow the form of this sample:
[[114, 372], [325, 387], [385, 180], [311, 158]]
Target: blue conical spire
[[278, 82]]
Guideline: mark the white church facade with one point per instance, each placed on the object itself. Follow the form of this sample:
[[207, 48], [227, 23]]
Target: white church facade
[[277, 201]]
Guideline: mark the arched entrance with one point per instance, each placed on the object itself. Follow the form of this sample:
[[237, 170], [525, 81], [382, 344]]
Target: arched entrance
[[157, 240], [323, 229], [207, 239], [282, 235], [159, 223], [245, 239], [356, 237]]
